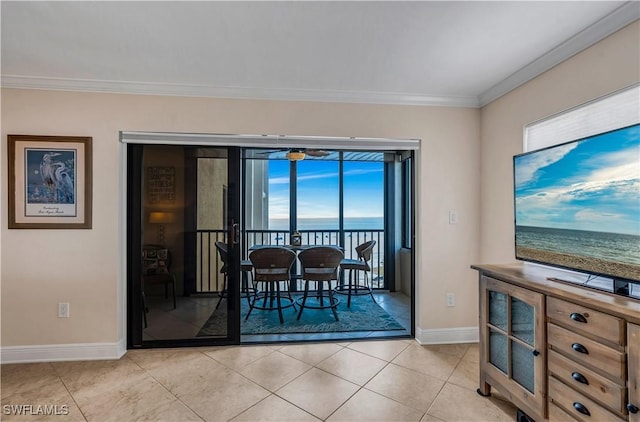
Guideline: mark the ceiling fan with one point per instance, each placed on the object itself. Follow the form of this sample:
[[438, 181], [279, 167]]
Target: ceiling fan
[[297, 154]]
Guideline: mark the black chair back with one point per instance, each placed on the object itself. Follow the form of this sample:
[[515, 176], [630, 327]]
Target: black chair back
[[223, 252]]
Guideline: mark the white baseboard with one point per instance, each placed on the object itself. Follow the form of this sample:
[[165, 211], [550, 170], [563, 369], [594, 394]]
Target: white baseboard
[[447, 335], [62, 352]]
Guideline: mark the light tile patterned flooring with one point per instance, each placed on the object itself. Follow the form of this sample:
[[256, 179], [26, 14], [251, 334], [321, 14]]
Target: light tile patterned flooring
[[384, 380]]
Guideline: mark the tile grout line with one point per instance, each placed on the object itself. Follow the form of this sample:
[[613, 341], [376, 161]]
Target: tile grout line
[[274, 393], [178, 399], [444, 384], [68, 391], [360, 387]]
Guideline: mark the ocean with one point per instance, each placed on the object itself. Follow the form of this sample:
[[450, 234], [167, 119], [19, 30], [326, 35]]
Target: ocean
[[615, 247], [350, 223]]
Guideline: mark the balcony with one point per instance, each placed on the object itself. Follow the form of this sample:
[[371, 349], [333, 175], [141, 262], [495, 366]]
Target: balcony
[[209, 279]]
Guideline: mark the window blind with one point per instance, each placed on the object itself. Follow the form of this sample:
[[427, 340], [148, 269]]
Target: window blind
[[613, 111]]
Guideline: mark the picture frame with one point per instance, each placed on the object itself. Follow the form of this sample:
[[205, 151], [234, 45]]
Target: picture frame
[[50, 182], [161, 184]]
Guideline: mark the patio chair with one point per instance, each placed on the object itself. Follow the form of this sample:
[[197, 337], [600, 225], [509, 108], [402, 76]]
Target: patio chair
[[245, 267], [354, 287], [320, 264], [271, 266]]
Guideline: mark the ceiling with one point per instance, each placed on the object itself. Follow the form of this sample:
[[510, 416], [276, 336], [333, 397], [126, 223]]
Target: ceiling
[[432, 53]]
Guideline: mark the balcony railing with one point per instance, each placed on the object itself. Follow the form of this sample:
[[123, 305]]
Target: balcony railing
[[209, 279]]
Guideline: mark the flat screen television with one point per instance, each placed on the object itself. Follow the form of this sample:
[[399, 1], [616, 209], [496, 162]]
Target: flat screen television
[[577, 206]]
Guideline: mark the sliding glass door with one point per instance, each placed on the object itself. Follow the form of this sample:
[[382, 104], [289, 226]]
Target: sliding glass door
[[183, 234], [195, 211]]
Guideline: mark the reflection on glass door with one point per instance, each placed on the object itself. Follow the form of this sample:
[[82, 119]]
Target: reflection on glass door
[[186, 271], [210, 287]]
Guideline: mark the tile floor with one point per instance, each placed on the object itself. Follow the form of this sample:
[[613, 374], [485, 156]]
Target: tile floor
[[383, 380]]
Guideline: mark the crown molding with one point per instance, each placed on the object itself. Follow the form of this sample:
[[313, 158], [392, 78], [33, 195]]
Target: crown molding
[[616, 20], [186, 90]]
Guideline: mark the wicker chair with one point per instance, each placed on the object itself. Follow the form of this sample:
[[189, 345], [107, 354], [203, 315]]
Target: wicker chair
[[354, 287], [271, 266], [320, 264], [245, 266]]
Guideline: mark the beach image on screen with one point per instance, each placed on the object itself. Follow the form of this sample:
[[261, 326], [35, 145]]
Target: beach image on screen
[[577, 205]]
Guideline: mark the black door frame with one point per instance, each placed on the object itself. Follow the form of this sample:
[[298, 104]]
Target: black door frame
[[134, 246]]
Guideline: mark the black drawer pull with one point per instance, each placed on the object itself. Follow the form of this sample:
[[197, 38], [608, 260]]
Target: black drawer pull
[[580, 378], [632, 408], [578, 317], [536, 353], [581, 408], [579, 348]]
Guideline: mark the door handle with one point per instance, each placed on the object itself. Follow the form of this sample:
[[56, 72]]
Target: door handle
[[235, 233]]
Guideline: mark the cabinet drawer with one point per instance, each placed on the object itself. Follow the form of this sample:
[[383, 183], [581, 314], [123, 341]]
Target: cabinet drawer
[[578, 317], [587, 382], [558, 415], [604, 360], [570, 400]]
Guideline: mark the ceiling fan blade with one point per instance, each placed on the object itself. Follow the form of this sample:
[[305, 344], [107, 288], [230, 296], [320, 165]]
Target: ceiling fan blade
[[317, 152]]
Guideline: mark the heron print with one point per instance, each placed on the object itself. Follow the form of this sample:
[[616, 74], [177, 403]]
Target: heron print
[[51, 176]]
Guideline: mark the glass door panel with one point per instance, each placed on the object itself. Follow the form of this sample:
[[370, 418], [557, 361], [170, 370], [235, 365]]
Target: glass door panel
[[364, 205], [498, 310], [499, 354], [522, 321], [522, 364], [267, 201], [212, 267], [184, 199], [318, 201]]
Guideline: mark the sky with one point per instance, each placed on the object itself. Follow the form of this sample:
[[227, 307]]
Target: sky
[[318, 189], [593, 184]]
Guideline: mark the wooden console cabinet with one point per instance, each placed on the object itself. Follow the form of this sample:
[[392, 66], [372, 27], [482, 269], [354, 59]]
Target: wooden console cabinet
[[556, 350]]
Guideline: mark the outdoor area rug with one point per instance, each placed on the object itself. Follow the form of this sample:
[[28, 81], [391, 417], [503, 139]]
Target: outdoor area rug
[[363, 315]]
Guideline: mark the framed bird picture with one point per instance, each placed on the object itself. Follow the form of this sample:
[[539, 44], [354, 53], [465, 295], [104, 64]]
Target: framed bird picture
[[50, 182]]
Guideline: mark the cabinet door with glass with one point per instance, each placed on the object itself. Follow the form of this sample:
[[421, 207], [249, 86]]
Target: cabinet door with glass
[[512, 354], [633, 361]]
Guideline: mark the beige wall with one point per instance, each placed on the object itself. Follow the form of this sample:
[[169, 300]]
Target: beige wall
[[609, 65], [43, 267]]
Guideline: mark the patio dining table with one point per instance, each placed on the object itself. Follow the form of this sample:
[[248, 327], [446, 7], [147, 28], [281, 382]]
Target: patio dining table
[[296, 248]]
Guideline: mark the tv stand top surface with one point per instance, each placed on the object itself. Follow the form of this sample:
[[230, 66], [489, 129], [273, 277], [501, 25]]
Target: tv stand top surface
[[544, 280]]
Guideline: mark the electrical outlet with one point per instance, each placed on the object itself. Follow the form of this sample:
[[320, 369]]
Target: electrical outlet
[[453, 217], [451, 299], [63, 310]]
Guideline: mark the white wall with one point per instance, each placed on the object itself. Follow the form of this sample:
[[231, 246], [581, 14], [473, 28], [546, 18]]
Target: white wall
[[43, 267], [609, 65]]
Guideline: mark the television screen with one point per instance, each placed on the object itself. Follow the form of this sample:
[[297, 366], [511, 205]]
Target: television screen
[[577, 205]]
